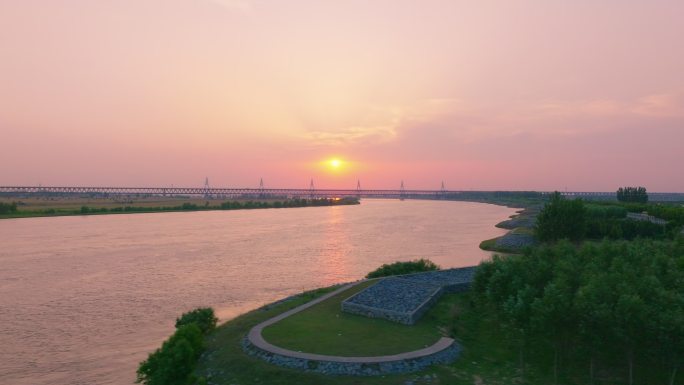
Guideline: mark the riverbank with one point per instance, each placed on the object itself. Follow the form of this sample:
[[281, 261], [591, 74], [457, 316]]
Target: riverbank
[[520, 234], [50, 207], [69, 205]]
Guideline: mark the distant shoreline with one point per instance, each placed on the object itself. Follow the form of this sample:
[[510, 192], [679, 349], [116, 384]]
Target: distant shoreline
[[40, 207], [519, 236], [131, 208]]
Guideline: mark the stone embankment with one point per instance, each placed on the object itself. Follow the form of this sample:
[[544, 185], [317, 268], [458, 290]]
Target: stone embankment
[[443, 351], [451, 280], [446, 350], [404, 299], [515, 241], [517, 221], [520, 236], [395, 299]]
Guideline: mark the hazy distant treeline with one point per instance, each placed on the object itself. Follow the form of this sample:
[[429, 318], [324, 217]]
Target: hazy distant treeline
[[7, 208], [229, 205]]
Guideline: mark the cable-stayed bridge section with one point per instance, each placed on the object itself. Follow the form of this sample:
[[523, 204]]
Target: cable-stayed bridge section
[[280, 193], [214, 192]]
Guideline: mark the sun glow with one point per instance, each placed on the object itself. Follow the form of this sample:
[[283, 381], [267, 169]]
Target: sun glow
[[335, 165]]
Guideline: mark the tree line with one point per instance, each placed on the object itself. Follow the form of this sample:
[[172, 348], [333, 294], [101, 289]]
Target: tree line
[[228, 205], [598, 303], [632, 194], [576, 220], [8, 208]]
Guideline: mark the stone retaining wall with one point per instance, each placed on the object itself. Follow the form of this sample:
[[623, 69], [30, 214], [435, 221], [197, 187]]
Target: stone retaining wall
[[405, 298], [359, 366], [443, 351], [394, 299], [515, 241]]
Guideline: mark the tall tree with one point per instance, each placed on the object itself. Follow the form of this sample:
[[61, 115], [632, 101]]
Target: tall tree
[[632, 194], [562, 219]]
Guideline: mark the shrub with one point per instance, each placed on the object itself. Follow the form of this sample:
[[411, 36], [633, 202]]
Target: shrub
[[188, 206], [398, 268], [602, 212], [6, 208], [175, 361], [204, 318]]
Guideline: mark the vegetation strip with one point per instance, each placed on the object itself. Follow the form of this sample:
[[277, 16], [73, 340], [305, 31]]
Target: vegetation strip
[[256, 340], [175, 362], [12, 210]]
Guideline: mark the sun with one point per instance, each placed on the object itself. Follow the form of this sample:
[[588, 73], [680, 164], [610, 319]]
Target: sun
[[335, 165]]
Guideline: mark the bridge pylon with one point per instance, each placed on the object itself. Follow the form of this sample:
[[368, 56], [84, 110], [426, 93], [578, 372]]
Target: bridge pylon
[[402, 191], [312, 190], [358, 189], [206, 187], [261, 188]]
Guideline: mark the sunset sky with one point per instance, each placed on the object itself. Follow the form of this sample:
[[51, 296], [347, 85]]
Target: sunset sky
[[583, 95]]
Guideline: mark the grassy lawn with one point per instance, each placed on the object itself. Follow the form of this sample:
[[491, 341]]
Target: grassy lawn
[[490, 245], [523, 230], [325, 329]]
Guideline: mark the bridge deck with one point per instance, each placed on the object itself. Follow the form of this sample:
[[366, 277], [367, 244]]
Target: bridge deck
[[293, 193]]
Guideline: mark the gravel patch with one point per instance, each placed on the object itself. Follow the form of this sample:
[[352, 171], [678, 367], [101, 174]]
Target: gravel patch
[[395, 294], [405, 298], [516, 241], [444, 278]]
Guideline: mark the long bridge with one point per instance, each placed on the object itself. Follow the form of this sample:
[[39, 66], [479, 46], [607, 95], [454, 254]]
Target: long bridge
[[311, 192]]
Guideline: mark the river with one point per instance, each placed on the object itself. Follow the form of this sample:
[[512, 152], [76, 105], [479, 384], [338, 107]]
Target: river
[[83, 299]]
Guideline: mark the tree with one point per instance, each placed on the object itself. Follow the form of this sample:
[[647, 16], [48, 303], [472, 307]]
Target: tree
[[670, 332], [554, 313], [203, 317], [562, 219], [632, 194], [175, 361]]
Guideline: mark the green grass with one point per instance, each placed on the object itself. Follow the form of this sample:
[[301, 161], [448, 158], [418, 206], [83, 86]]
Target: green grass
[[67, 208], [523, 230], [325, 329], [490, 245]]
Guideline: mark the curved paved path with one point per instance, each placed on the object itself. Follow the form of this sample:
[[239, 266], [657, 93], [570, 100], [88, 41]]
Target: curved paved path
[[256, 339]]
